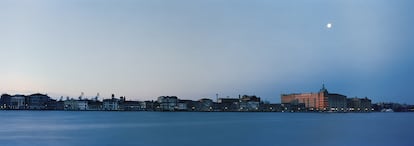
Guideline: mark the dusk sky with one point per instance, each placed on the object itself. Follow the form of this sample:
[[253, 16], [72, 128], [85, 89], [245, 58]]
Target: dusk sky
[[192, 49]]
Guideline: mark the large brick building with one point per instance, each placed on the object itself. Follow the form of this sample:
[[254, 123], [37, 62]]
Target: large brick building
[[322, 100]]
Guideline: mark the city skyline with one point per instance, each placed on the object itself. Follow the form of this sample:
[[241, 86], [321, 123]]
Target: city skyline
[[195, 49], [322, 101]]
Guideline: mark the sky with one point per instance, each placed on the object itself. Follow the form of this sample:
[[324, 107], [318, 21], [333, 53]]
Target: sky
[[193, 49]]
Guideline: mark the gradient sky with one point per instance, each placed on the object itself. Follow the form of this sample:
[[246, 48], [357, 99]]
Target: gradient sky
[[192, 48]]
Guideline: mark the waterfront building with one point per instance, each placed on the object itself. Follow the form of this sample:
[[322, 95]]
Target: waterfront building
[[336, 102], [125, 105], [268, 107], [293, 107], [188, 105], [249, 103], [206, 104], [58, 105], [71, 104], [52, 104], [37, 101], [228, 104], [359, 104], [182, 106], [94, 105], [18, 102], [5, 101], [390, 106], [33, 102], [167, 103], [111, 104], [149, 105], [82, 104], [321, 101], [313, 101]]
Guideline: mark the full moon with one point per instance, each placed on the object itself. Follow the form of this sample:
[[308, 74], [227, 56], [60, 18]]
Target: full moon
[[329, 25]]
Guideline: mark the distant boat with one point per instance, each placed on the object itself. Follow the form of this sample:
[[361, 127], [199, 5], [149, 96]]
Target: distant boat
[[387, 110]]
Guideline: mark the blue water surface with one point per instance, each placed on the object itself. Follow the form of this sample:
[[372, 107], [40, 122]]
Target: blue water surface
[[67, 128]]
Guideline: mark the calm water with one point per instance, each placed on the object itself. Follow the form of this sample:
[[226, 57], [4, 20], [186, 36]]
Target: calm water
[[205, 129]]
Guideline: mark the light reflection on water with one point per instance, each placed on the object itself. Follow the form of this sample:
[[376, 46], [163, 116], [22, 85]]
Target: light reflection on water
[[186, 128]]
